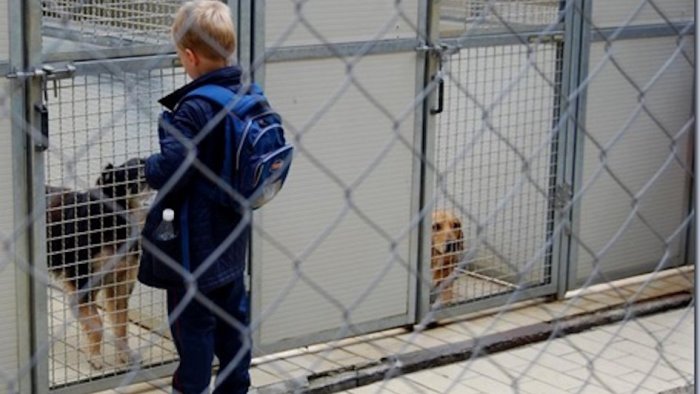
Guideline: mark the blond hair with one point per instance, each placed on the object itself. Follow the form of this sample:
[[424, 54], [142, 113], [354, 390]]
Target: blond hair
[[205, 27]]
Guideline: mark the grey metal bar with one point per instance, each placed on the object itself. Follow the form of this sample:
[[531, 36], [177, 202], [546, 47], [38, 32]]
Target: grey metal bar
[[109, 53], [416, 245], [133, 64], [689, 243], [21, 195], [249, 19], [645, 31], [577, 137], [424, 280], [497, 28], [566, 153], [65, 33], [28, 185], [36, 175], [690, 201], [500, 39], [259, 40], [244, 21], [305, 52], [234, 7], [348, 49]]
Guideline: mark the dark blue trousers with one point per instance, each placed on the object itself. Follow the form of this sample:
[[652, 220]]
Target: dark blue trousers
[[199, 333]]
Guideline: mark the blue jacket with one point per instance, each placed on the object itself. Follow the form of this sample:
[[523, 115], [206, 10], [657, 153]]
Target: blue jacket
[[209, 224]]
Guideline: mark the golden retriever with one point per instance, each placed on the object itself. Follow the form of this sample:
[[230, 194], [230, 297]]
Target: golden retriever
[[447, 244]]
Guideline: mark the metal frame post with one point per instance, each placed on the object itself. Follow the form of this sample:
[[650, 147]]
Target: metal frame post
[[578, 40], [422, 123], [21, 244], [428, 120], [252, 21], [28, 185], [576, 43]]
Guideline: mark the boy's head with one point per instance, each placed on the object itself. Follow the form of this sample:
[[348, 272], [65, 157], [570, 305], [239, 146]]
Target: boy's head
[[204, 36]]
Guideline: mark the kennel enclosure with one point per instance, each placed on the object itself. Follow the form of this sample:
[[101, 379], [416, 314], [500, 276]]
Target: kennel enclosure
[[550, 128]]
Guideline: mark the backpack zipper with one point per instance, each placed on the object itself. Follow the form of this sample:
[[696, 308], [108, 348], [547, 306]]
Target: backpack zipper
[[245, 135], [265, 130]]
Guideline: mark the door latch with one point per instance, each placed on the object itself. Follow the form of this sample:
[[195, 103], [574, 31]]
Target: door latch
[[45, 74], [441, 52]]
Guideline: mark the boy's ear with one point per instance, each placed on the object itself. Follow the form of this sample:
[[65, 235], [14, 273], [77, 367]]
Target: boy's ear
[[192, 56]]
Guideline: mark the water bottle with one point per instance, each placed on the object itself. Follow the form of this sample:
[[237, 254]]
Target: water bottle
[[166, 229]]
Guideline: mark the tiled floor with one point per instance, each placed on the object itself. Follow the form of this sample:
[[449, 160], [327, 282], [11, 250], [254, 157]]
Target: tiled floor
[[643, 355]]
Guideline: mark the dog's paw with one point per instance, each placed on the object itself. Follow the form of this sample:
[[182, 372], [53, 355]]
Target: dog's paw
[[128, 357], [96, 361]]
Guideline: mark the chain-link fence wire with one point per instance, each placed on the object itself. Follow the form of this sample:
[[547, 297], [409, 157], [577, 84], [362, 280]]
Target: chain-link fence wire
[[495, 169]]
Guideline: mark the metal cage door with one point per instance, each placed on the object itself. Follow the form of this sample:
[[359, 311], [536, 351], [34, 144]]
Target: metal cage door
[[493, 174]]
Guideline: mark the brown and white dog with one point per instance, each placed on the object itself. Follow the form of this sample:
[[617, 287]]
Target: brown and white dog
[[92, 245], [447, 244]]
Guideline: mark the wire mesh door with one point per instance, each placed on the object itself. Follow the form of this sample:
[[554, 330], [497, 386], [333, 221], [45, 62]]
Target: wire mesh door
[[495, 154], [102, 121]]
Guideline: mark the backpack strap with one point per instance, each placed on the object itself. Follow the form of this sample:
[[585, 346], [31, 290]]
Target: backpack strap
[[224, 96]]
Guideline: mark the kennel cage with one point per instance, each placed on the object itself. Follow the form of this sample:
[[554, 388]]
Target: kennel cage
[[115, 63], [104, 113], [496, 148]]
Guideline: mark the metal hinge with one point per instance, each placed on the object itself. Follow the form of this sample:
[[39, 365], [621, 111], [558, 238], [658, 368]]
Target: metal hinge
[[545, 38], [562, 196]]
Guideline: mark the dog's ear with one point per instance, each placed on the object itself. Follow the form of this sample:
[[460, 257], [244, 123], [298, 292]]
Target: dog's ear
[[107, 175]]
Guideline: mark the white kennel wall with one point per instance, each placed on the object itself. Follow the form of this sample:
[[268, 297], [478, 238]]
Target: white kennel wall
[[4, 32], [619, 12], [338, 21], [343, 137], [643, 148]]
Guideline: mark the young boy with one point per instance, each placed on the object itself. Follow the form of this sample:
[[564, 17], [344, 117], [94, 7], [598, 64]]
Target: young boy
[[204, 36]]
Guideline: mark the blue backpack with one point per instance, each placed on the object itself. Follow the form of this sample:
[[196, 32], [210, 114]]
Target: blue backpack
[[257, 158]]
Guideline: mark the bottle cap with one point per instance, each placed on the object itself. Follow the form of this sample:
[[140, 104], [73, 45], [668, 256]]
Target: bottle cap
[[168, 215]]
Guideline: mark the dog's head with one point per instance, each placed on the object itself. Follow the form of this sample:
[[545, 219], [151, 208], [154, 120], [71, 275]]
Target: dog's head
[[125, 182], [447, 235]]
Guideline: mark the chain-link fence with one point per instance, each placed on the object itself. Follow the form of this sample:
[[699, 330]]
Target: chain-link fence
[[469, 177]]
